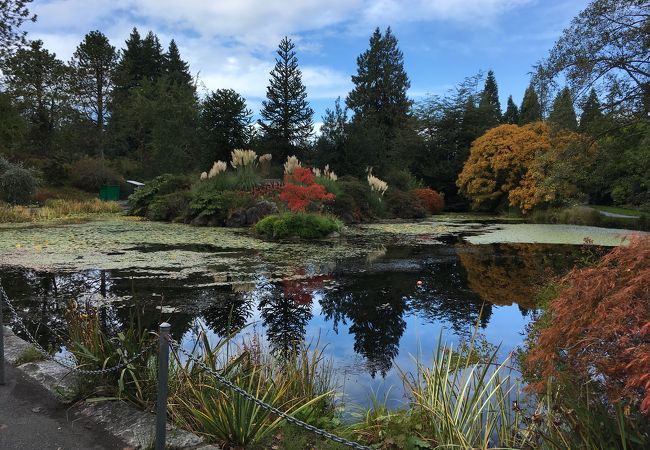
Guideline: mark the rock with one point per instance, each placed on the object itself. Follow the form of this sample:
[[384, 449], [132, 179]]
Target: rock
[[200, 221], [348, 218], [260, 210], [242, 217], [334, 234]]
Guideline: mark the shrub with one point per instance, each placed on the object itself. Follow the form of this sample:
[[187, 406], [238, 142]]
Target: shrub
[[164, 184], [402, 180], [17, 184], [169, 207], [331, 186], [218, 205], [303, 225], [91, 174], [300, 190], [405, 205], [431, 200], [597, 330], [359, 192]]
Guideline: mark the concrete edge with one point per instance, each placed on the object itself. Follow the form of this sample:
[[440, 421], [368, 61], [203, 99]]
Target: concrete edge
[[121, 419]]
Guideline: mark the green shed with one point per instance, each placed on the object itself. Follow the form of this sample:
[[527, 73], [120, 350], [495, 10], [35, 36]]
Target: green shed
[[110, 192]]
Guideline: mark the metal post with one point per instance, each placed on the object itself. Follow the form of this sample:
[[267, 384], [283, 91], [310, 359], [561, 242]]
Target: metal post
[[163, 376], [2, 340]]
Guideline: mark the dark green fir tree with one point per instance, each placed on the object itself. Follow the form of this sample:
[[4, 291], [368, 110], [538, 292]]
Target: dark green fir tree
[[511, 115]]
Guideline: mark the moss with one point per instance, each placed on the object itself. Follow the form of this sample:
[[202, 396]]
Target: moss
[[303, 225], [30, 354]]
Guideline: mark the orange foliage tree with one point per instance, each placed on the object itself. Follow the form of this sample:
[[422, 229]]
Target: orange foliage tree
[[518, 164], [300, 190], [432, 201], [598, 328]]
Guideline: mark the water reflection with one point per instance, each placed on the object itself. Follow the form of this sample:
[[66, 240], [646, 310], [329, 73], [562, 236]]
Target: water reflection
[[366, 305]]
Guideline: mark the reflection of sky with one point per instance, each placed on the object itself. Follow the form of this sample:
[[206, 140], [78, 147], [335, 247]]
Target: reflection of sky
[[505, 327]]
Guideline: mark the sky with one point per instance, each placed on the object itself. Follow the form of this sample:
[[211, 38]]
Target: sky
[[232, 43]]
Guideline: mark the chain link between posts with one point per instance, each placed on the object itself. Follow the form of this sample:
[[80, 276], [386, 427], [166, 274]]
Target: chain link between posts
[[327, 435], [66, 362]]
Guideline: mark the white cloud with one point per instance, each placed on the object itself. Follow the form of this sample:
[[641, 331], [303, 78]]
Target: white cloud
[[230, 43]]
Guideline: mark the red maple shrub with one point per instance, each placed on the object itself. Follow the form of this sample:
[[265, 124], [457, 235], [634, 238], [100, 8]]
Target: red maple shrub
[[598, 328], [433, 201], [300, 190]]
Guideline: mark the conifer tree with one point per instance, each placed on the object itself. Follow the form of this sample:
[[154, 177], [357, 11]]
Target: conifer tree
[[531, 109], [489, 105], [592, 116], [225, 124], [93, 64], [174, 68], [562, 114], [331, 143], [288, 119], [381, 83], [511, 115], [37, 83]]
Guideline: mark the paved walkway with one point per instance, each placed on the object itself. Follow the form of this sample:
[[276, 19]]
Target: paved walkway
[[32, 419]]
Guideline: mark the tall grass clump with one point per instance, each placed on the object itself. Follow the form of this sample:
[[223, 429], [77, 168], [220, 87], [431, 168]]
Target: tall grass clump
[[56, 209], [202, 404]]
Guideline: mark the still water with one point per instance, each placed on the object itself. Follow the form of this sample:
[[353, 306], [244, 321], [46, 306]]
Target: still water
[[372, 311]]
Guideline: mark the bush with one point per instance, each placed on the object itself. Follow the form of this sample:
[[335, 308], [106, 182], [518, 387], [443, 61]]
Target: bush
[[169, 207], [431, 200], [574, 215], [218, 205], [402, 180], [597, 330], [91, 174], [359, 192], [300, 191], [405, 205], [17, 184], [330, 186], [164, 184], [303, 225]]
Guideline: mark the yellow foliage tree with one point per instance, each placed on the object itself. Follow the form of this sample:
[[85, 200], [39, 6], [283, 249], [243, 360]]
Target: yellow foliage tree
[[527, 166]]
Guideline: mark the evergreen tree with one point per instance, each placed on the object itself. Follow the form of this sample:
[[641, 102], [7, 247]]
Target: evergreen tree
[[489, 105], [562, 113], [331, 144], [381, 84], [13, 13], [38, 83], [153, 59], [591, 118], [174, 68], [225, 124], [93, 64], [511, 115], [381, 107], [531, 109], [287, 116]]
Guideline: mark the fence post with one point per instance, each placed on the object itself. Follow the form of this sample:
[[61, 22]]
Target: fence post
[[2, 340], [163, 376]]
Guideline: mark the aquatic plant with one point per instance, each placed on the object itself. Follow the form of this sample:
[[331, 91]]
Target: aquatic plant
[[56, 209]]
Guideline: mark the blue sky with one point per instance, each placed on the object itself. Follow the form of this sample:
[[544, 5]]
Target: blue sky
[[231, 43]]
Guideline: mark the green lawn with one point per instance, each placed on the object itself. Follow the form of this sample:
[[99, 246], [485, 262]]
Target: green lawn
[[620, 210]]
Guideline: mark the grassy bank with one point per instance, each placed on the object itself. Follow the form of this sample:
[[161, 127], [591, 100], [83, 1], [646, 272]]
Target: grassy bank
[[56, 209]]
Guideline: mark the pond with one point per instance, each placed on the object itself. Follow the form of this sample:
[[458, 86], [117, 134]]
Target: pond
[[373, 298]]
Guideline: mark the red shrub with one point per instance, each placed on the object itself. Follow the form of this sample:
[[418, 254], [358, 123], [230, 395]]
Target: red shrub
[[432, 201], [300, 190], [599, 327]]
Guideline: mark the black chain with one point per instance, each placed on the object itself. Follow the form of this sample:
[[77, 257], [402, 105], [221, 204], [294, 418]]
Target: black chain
[[264, 405], [67, 362]]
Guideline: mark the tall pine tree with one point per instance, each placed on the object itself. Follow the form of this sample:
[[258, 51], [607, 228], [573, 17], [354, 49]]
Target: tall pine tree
[[531, 109], [489, 105], [93, 64], [562, 114], [591, 118], [225, 124], [37, 83], [381, 132], [511, 115], [174, 68], [381, 83], [288, 119]]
